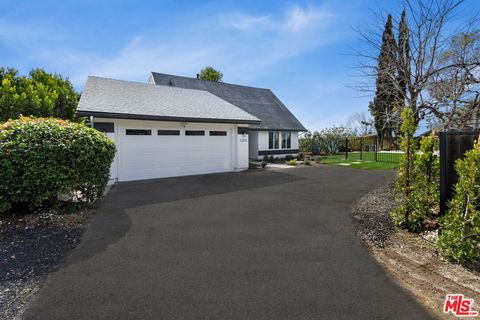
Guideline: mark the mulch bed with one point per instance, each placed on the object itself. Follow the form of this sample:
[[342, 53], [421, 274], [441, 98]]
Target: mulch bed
[[31, 246]]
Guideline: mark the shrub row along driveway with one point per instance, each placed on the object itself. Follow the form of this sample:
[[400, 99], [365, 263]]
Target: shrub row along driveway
[[253, 245]]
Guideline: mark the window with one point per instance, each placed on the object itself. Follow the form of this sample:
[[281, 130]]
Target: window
[[279, 140], [273, 139], [286, 140], [218, 133], [242, 130], [104, 127], [168, 132], [138, 132], [194, 132]]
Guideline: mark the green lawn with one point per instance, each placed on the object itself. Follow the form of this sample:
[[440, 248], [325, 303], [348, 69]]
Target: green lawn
[[339, 160]]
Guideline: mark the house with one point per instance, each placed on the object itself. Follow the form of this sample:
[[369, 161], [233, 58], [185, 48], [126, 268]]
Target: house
[[174, 130], [162, 131], [276, 134]]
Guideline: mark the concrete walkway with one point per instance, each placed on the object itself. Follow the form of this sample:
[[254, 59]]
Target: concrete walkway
[[252, 245]]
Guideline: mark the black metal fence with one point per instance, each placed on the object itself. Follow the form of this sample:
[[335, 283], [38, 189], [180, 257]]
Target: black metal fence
[[453, 146], [371, 148]]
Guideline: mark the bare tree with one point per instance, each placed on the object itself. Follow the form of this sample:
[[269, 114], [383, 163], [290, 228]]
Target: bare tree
[[361, 124], [455, 91], [422, 69]]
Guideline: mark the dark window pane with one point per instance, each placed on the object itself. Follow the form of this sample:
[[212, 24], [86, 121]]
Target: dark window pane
[[168, 132], [286, 140], [270, 140], [242, 130], [218, 133], [138, 132], [194, 132], [276, 139], [104, 126]]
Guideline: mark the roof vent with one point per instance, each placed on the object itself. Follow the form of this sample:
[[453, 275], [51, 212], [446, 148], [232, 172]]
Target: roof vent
[[198, 76]]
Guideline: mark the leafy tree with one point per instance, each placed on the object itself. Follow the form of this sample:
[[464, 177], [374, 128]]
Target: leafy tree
[[210, 74], [39, 95], [402, 216], [459, 238], [385, 95], [330, 140], [306, 142]]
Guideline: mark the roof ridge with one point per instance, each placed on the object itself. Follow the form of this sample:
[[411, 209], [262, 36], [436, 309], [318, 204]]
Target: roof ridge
[[148, 84], [216, 82]]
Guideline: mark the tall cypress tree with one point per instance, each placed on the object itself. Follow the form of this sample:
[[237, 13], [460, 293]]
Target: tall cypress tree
[[403, 58], [386, 88]]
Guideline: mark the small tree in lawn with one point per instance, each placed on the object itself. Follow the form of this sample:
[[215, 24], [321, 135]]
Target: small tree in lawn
[[210, 74], [405, 180], [459, 238]]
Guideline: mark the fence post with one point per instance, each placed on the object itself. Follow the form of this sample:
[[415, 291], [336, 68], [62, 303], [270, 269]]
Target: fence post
[[346, 148], [361, 148], [376, 148]]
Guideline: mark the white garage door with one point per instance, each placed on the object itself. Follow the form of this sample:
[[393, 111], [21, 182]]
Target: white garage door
[[148, 152]]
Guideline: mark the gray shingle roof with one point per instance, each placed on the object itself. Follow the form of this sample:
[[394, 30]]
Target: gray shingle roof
[[127, 99], [261, 103]]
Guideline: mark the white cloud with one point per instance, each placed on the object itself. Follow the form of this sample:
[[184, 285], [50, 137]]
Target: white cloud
[[247, 22], [299, 19], [296, 19]]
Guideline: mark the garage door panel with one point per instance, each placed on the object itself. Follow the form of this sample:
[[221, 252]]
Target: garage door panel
[[157, 156]]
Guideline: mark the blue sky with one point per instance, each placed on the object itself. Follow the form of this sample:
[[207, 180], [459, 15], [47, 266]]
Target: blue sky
[[299, 49]]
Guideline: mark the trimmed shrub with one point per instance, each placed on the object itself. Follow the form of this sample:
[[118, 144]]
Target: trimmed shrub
[[426, 194], [459, 238], [289, 157], [45, 157], [291, 162]]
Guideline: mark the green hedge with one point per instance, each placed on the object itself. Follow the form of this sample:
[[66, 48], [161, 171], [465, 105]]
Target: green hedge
[[43, 158], [459, 238]]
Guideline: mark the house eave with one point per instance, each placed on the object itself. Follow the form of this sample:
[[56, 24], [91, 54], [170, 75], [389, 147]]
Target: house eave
[[278, 129], [161, 118]]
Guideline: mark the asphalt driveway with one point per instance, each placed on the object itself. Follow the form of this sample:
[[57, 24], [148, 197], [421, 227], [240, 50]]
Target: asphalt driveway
[[252, 245]]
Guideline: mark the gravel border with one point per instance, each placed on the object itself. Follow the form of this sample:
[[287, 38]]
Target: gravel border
[[371, 218]]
